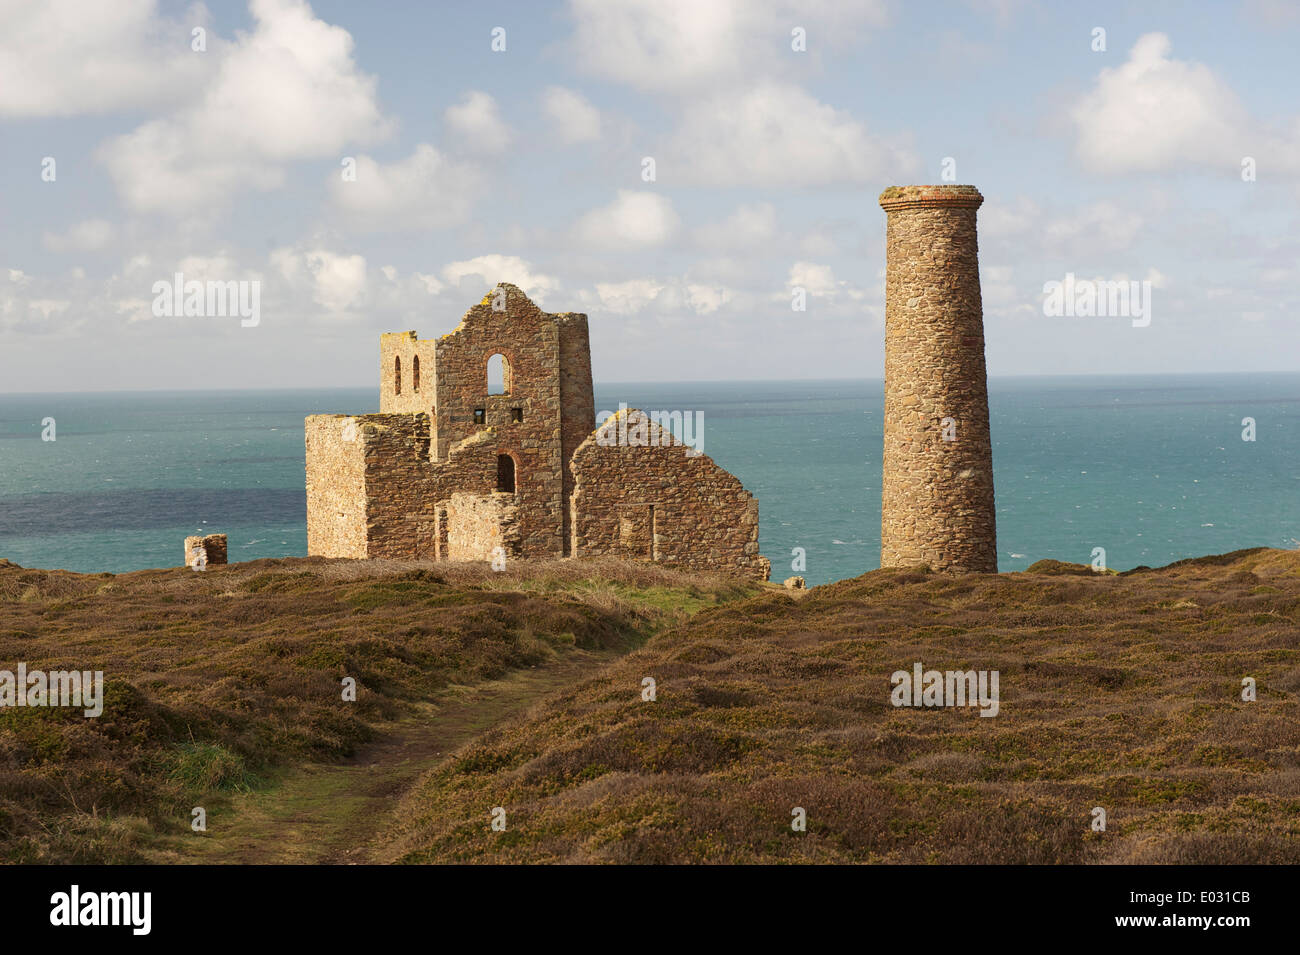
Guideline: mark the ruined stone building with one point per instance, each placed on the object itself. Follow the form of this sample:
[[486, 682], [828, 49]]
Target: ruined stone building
[[453, 469], [937, 483]]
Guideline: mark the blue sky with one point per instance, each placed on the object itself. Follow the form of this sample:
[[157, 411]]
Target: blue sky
[[525, 165]]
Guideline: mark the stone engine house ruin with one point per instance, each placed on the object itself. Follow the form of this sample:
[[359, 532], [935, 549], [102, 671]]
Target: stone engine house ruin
[[458, 466]]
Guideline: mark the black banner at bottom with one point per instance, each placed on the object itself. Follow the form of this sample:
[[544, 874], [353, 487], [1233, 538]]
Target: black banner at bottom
[[333, 904]]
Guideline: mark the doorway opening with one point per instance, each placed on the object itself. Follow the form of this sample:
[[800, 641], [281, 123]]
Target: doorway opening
[[505, 473]]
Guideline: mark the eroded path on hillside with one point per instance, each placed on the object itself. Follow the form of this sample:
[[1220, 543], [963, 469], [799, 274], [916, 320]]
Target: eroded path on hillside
[[331, 813]]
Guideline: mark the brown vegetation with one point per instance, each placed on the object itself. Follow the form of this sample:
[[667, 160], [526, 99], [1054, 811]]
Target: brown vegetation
[[214, 678], [1119, 691]]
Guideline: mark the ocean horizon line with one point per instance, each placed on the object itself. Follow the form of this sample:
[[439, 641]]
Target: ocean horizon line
[[1050, 376]]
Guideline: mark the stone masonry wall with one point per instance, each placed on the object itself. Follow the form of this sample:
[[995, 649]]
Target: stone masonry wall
[[401, 349], [529, 339], [417, 361], [399, 486], [657, 502], [477, 524], [577, 404], [205, 550], [936, 494], [336, 487], [403, 489], [371, 490], [420, 480]]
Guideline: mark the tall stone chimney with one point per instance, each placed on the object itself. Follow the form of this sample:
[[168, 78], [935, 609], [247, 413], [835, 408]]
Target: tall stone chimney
[[937, 487]]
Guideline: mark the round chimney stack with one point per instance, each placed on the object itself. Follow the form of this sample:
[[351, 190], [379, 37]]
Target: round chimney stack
[[937, 486]]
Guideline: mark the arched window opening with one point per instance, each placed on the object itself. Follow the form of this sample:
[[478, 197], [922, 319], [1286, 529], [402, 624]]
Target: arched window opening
[[415, 373], [498, 375], [397, 375], [505, 473]]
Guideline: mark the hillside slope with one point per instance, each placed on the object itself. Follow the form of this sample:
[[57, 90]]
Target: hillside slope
[[216, 681], [1118, 691]]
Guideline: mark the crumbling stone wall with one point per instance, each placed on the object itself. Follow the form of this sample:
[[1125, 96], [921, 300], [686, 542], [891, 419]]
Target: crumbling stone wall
[[660, 501], [547, 411], [398, 352], [528, 338], [206, 550], [420, 480], [401, 390], [371, 491], [400, 486], [479, 524], [336, 487], [577, 405], [937, 489]]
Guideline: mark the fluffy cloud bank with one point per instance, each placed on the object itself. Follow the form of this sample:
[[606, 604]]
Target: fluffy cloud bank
[[1155, 113], [423, 191], [76, 57], [289, 90]]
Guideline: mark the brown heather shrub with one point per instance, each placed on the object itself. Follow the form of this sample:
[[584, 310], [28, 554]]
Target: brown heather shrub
[[213, 679], [1117, 690]]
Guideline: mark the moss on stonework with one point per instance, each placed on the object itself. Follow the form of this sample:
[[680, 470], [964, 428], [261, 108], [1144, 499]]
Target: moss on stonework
[[929, 192]]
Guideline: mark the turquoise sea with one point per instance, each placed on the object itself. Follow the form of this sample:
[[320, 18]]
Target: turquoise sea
[[1153, 469]]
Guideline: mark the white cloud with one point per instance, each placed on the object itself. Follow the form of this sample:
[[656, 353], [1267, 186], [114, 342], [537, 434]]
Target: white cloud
[[743, 122], [574, 118], [475, 124], [336, 282], [430, 282], [493, 268], [425, 190], [679, 46], [704, 299], [626, 298], [304, 284], [40, 305], [820, 282], [665, 299], [340, 279], [657, 44], [816, 279], [88, 236], [74, 57], [1155, 113], [287, 91], [631, 220], [777, 135]]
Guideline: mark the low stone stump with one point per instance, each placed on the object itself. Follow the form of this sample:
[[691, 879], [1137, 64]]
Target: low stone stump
[[204, 551]]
